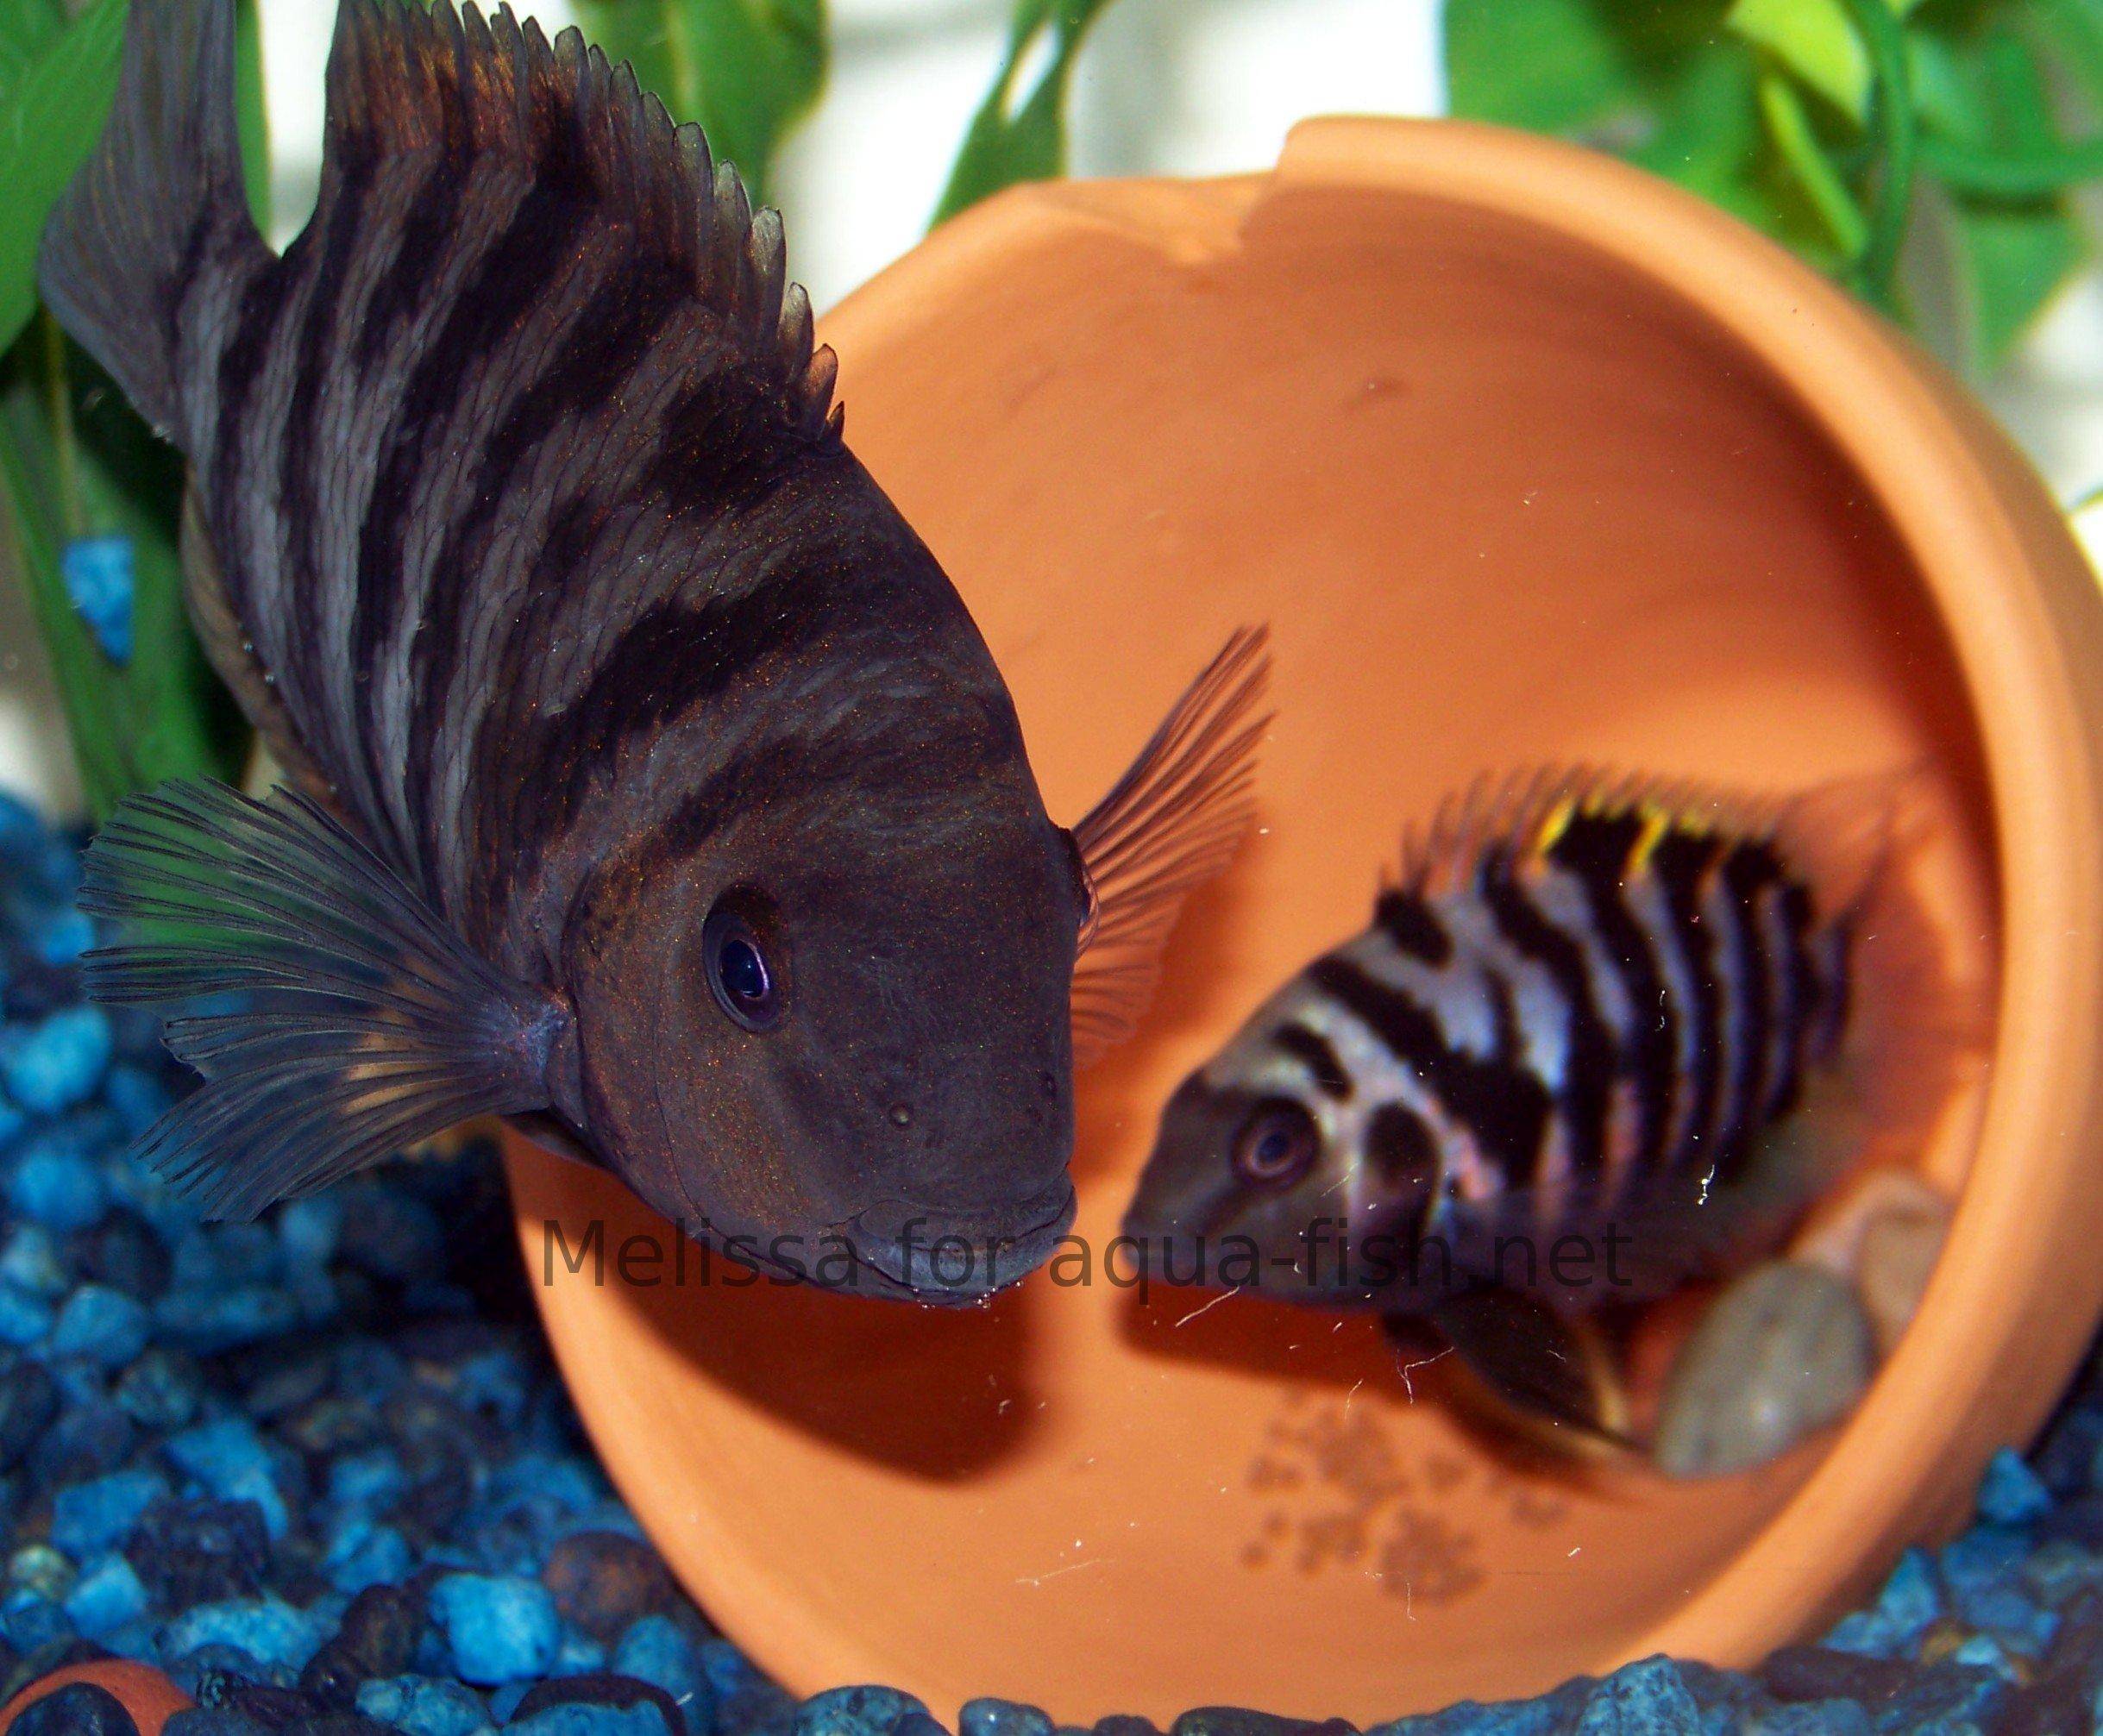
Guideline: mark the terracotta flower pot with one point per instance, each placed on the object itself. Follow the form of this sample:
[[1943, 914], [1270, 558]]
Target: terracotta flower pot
[[1526, 457], [146, 1694]]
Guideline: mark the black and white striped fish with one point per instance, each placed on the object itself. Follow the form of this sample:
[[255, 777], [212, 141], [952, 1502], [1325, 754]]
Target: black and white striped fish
[[1557, 1072], [654, 785]]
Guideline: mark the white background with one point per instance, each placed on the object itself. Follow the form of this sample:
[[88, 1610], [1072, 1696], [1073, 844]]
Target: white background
[[1187, 87]]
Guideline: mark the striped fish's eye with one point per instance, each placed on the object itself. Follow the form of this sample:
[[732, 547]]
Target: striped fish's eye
[[1276, 1144], [742, 961]]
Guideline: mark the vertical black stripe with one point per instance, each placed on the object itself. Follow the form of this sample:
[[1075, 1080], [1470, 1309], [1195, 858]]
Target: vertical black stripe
[[1590, 1069], [1509, 1050], [1507, 1039], [725, 444], [428, 228], [534, 764], [1318, 1055], [612, 336], [1749, 868], [1595, 849], [1403, 1157], [1801, 974], [1680, 863], [1506, 1108], [230, 504], [1406, 918], [511, 277], [301, 457]]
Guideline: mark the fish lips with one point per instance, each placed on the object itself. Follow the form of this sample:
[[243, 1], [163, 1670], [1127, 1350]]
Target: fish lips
[[911, 1253], [1197, 1240]]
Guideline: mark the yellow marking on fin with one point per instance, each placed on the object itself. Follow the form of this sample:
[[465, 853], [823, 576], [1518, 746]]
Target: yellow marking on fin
[[1553, 824], [1657, 822]]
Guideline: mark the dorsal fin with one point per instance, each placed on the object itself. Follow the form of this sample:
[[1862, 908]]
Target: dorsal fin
[[1521, 809], [406, 79]]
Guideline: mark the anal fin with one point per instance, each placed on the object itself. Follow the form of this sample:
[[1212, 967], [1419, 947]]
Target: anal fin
[[334, 1017], [1553, 1380]]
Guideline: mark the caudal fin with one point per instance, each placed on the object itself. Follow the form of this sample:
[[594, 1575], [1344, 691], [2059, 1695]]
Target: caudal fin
[[157, 212]]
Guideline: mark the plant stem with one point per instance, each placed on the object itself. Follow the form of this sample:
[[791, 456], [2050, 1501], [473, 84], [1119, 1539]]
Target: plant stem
[[2024, 174], [1891, 122], [58, 400], [1790, 128]]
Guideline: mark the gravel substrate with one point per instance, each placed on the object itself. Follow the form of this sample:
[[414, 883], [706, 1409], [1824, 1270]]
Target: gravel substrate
[[320, 1469]]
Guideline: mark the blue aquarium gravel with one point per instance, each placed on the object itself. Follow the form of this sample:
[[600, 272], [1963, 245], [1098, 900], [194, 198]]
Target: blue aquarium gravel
[[320, 1469]]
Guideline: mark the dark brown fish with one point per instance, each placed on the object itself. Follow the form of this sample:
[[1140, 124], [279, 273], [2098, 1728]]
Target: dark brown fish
[[655, 786]]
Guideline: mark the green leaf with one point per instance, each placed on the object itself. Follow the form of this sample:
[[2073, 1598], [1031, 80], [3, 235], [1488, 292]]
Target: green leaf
[[747, 70], [75, 462], [255, 119], [2014, 259], [1763, 106], [27, 28], [1661, 84], [1705, 132], [1549, 65], [2073, 29], [1815, 39], [1816, 174], [2011, 255], [1019, 136], [49, 119]]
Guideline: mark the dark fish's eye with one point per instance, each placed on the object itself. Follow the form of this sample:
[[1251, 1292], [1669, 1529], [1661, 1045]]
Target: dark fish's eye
[[1276, 1144], [743, 958]]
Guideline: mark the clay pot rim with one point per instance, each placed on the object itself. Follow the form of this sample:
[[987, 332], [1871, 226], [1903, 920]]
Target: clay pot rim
[[1851, 375]]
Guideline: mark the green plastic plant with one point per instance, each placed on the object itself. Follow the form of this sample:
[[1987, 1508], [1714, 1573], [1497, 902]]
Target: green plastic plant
[[78, 469], [1913, 148], [747, 70], [1019, 134]]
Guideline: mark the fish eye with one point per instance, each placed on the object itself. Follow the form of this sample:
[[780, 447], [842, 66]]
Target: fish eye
[[743, 953], [1276, 1144]]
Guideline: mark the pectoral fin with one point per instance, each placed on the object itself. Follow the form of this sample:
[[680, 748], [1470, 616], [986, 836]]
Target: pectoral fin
[[335, 1018], [1168, 825], [1554, 1379]]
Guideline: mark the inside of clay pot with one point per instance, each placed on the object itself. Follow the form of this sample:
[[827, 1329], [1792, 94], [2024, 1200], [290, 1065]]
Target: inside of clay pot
[[1503, 502]]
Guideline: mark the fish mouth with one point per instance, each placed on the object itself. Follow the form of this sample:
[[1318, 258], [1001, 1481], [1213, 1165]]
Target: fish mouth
[[1200, 1247], [913, 1254], [1168, 1221]]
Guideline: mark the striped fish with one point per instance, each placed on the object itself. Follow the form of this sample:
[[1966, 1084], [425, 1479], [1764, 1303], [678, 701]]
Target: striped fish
[[1557, 1072], [651, 784]]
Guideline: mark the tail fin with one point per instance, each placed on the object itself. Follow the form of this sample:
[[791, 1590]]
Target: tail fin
[[158, 209], [1920, 992]]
